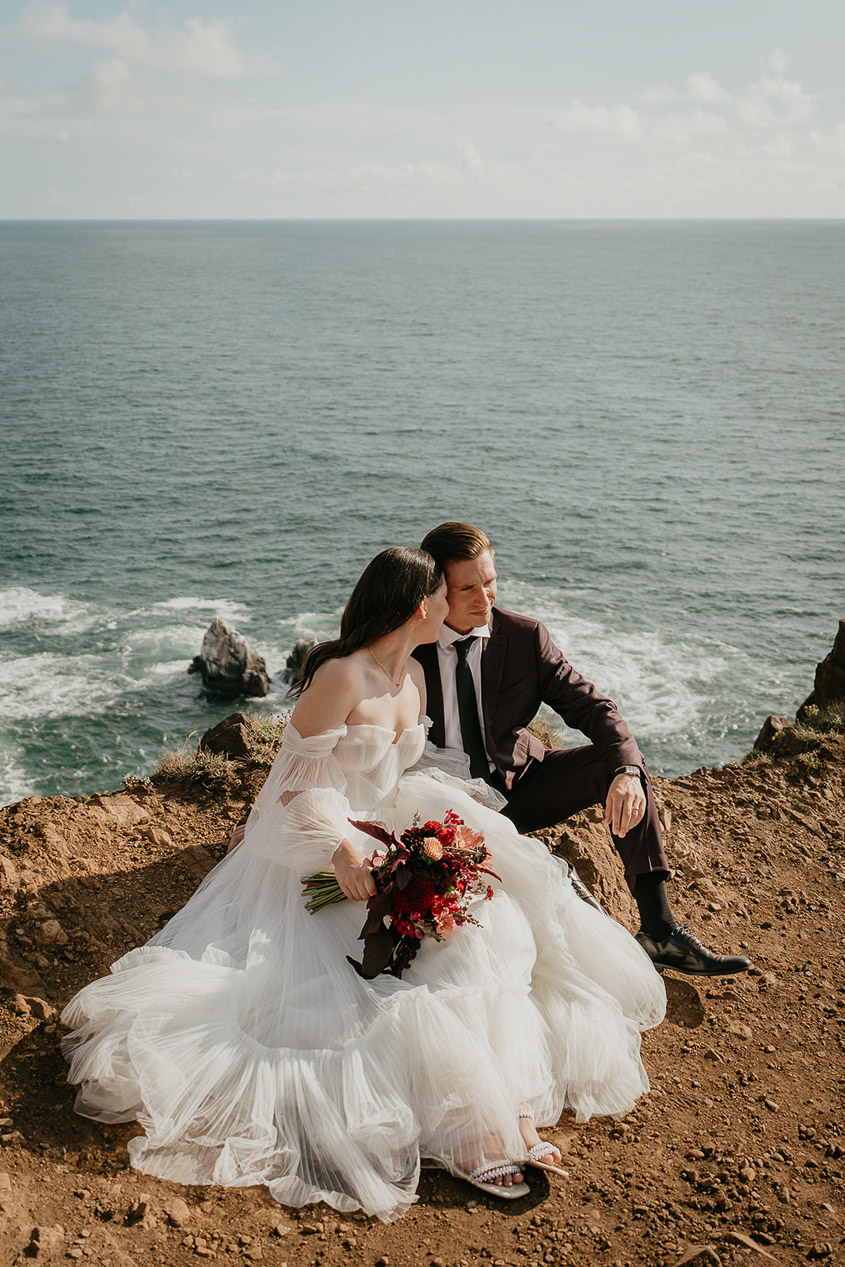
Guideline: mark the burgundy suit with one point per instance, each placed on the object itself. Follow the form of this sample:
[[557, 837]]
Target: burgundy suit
[[521, 669]]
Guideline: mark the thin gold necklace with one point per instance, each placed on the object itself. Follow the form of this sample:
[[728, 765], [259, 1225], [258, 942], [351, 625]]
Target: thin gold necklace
[[383, 669]]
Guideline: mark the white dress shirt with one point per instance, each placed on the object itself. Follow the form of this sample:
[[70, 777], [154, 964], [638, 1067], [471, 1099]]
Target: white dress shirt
[[447, 659]]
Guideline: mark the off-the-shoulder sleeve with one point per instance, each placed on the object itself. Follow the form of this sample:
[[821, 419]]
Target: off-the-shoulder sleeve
[[302, 813]]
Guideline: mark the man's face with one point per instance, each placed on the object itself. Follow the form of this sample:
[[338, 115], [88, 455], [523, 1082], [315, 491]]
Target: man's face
[[471, 591]]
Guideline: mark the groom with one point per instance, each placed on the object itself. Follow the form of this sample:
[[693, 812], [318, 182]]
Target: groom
[[486, 676]]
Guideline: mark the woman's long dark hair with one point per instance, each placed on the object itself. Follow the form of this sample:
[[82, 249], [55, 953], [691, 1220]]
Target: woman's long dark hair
[[387, 594]]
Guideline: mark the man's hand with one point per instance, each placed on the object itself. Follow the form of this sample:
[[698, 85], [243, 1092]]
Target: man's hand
[[236, 837], [625, 804], [354, 872]]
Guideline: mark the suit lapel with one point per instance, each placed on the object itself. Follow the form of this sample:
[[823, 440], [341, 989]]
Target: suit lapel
[[492, 667], [427, 656]]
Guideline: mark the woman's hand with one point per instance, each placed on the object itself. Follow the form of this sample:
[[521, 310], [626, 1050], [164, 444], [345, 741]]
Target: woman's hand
[[236, 837], [354, 872]]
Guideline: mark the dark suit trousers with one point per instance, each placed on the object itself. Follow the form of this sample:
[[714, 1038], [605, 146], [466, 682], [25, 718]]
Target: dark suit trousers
[[568, 780]]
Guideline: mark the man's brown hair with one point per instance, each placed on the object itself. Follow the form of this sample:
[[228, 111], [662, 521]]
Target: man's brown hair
[[453, 542]]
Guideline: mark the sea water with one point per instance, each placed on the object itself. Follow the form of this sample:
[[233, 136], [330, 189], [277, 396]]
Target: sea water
[[230, 419]]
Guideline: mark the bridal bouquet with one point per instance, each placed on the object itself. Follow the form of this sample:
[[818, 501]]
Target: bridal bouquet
[[424, 882]]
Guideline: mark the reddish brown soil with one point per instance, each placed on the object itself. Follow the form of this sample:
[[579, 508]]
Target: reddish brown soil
[[739, 1147]]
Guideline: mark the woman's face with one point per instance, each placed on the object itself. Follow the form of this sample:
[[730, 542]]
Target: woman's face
[[437, 608]]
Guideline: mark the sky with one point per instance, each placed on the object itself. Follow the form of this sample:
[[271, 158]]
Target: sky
[[337, 109]]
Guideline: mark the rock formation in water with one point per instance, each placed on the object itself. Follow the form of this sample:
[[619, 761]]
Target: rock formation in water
[[296, 659], [228, 664]]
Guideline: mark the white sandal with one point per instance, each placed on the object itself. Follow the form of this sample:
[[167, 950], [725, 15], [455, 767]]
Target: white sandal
[[482, 1178], [542, 1150]]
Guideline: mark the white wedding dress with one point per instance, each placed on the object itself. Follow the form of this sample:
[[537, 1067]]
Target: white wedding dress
[[251, 1052]]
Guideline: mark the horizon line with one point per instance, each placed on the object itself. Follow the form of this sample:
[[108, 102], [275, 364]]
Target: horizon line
[[422, 219]]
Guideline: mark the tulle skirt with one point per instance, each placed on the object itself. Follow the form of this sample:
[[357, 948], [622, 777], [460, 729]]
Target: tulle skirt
[[251, 1052]]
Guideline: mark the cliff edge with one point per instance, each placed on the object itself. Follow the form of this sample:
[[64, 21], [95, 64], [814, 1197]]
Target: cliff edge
[[736, 1156]]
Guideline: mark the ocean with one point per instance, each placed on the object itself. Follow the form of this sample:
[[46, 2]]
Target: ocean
[[231, 418]]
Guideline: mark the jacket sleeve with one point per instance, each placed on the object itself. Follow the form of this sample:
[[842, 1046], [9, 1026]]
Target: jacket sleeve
[[582, 707], [302, 813]]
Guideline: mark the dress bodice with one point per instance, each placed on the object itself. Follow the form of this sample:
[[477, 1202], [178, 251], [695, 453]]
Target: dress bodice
[[374, 758]]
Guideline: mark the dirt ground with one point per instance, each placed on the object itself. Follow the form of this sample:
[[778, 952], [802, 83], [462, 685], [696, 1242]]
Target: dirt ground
[[735, 1156]]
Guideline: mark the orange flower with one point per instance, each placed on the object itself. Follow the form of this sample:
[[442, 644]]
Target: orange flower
[[433, 847]]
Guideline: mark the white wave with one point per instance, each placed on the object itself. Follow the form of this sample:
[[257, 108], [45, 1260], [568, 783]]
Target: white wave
[[319, 625], [22, 608], [15, 783], [662, 685], [166, 669], [162, 643], [226, 608], [48, 685]]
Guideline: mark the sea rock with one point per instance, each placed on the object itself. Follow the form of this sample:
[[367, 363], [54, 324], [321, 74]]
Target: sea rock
[[829, 686], [228, 664], [230, 737], [296, 659]]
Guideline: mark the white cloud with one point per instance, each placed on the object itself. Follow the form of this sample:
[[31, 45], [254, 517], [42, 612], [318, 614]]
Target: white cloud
[[659, 94], [777, 61], [204, 48], [683, 128], [775, 100], [701, 86], [471, 160], [162, 122], [622, 122]]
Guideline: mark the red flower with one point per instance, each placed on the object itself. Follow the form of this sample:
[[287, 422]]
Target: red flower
[[421, 893], [416, 896]]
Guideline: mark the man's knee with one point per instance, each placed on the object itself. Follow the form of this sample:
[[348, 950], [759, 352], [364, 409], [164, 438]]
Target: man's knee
[[565, 781]]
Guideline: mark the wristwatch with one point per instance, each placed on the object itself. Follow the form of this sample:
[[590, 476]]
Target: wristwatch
[[626, 769]]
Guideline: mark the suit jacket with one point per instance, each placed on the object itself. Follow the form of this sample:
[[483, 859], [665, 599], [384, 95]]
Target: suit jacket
[[521, 668]]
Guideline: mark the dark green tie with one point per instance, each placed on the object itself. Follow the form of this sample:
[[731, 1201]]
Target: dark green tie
[[479, 766]]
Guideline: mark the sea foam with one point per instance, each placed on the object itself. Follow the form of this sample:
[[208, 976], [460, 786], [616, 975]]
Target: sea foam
[[663, 686], [22, 608]]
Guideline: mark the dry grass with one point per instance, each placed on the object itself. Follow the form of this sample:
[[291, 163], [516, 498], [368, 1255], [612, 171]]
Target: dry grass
[[544, 733], [266, 738], [802, 739], [188, 765]]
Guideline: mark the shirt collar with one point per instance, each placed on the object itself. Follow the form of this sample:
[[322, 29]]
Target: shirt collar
[[447, 637]]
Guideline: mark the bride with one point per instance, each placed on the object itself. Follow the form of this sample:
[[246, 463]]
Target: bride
[[251, 1052]]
